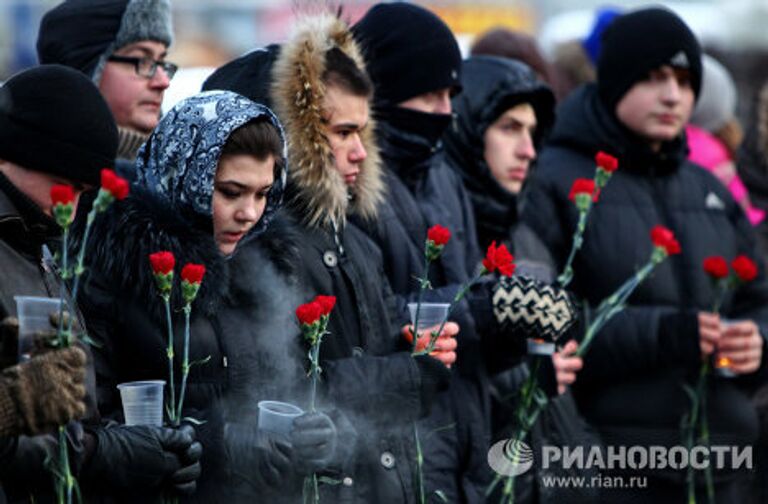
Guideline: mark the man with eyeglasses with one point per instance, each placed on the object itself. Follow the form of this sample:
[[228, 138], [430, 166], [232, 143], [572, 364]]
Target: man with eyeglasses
[[121, 45]]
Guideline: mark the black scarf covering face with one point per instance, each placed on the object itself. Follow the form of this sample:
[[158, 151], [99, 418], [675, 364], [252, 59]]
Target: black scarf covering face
[[408, 137]]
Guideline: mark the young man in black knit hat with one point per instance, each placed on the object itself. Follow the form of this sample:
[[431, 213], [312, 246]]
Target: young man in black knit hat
[[121, 45], [632, 384], [55, 128], [415, 64]]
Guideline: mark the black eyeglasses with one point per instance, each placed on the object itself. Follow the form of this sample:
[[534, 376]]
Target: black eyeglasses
[[146, 67]]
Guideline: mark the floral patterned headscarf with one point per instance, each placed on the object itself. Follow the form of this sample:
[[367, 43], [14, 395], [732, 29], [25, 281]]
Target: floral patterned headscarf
[[178, 162]]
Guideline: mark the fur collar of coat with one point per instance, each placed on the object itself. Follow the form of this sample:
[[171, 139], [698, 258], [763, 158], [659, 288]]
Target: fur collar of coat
[[319, 192]]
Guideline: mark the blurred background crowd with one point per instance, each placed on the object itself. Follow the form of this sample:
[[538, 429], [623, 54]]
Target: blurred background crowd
[[212, 32]]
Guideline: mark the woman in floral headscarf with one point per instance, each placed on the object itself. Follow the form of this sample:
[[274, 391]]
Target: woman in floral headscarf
[[208, 184]]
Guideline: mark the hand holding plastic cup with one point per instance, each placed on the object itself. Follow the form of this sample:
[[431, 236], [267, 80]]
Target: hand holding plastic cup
[[34, 315], [430, 315], [276, 418], [143, 402]]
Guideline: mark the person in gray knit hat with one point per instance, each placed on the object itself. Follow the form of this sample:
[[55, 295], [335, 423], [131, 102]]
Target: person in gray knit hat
[[121, 45]]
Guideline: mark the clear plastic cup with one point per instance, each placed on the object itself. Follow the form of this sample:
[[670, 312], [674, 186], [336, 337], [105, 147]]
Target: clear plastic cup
[[34, 315], [723, 364], [276, 417], [142, 402], [430, 315], [537, 346]]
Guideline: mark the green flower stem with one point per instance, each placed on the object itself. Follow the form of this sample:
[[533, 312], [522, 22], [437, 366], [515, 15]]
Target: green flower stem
[[65, 480], [170, 353], [526, 414], [63, 340], [420, 495], [79, 268], [314, 372], [613, 305], [705, 441], [578, 240], [184, 363], [698, 414], [458, 297], [311, 492], [423, 283]]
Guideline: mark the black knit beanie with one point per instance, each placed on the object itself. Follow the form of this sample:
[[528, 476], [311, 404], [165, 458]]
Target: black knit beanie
[[638, 42], [408, 51], [53, 119], [82, 34]]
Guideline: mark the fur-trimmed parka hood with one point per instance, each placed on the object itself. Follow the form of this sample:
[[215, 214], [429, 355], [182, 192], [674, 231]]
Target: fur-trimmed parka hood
[[298, 92], [317, 191]]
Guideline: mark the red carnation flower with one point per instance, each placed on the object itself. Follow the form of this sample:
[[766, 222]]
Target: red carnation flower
[[438, 234], [745, 268], [193, 273], [606, 161], [62, 194], [116, 185], [162, 262], [582, 186], [716, 267], [327, 303], [499, 258], [309, 313], [664, 238]]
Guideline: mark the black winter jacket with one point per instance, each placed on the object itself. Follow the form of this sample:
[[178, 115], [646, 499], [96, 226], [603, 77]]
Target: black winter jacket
[[242, 320], [24, 230], [367, 373], [423, 191], [631, 386]]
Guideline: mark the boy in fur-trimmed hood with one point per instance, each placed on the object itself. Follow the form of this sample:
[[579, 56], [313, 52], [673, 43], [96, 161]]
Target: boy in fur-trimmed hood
[[319, 88]]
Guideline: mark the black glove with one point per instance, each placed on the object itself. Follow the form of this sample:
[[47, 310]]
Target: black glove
[[145, 458], [313, 438], [257, 458]]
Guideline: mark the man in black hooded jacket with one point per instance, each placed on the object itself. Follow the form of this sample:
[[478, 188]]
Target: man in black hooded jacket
[[415, 64], [631, 387], [335, 174]]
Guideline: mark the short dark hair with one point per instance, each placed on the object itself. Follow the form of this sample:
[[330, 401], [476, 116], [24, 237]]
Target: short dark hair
[[341, 71], [258, 138]]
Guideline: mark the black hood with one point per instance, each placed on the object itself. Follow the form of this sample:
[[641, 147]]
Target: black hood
[[249, 75], [585, 125], [491, 85]]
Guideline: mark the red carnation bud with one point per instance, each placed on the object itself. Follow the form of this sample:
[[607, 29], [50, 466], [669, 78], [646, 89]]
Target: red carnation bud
[[193, 273], [326, 302], [499, 258], [583, 186], [309, 313], [62, 194], [438, 234], [606, 161], [116, 185], [745, 268], [716, 267], [162, 262], [664, 238]]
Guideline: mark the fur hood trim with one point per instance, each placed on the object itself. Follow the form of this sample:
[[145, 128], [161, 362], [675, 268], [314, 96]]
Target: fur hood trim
[[319, 191]]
